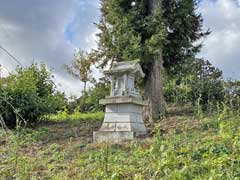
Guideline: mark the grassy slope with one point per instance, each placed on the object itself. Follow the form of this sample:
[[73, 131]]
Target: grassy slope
[[183, 148]]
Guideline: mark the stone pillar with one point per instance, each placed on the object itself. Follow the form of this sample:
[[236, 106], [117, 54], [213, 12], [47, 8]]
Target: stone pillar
[[125, 84], [112, 85]]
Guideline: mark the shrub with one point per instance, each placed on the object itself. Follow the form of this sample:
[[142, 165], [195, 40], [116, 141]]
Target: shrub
[[232, 93], [29, 94], [197, 82]]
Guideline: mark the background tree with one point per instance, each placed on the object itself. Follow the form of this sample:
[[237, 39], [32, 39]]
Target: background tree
[[81, 67], [156, 32], [197, 81], [133, 30], [89, 101], [184, 26]]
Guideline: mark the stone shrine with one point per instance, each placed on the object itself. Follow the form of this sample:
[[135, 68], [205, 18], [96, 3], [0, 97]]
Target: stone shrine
[[123, 112]]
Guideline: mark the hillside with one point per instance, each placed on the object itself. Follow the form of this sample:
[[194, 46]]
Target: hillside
[[181, 147]]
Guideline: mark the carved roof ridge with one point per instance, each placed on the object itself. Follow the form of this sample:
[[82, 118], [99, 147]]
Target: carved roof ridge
[[126, 66]]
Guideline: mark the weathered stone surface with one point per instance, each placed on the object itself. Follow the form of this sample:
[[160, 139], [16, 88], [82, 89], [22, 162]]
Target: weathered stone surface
[[121, 121], [123, 118], [126, 67], [134, 127], [122, 100], [123, 108], [112, 136], [123, 113]]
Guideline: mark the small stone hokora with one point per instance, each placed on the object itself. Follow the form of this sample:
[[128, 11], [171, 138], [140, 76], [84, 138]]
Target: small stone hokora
[[123, 112]]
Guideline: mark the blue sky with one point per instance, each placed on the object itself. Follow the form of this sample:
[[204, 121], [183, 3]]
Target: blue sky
[[50, 31]]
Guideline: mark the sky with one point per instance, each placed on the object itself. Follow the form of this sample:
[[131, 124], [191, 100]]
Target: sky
[[49, 31]]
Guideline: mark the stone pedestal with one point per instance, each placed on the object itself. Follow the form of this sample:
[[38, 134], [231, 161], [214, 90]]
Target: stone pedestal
[[123, 119]]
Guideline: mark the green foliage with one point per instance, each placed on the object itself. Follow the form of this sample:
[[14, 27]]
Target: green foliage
[[29, 94], [129, 32], [184, 27], [89, 101], [205, 153], [81, 67], [197, 82], [208, 84], [190, 155], [92, 97], [75, 116], [232, 94]]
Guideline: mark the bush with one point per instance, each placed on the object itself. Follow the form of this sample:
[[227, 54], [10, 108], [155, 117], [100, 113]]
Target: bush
[[29, 94], [197, 82], [232, 94]]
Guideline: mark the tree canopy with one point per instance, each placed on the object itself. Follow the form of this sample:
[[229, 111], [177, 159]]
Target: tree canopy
[[184, 27], [129, 32]]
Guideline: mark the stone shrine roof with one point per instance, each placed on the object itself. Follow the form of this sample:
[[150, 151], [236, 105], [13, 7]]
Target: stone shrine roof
[[126, 66]]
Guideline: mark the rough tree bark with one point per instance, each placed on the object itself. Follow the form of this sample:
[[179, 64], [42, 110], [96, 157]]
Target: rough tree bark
[[153, 82]]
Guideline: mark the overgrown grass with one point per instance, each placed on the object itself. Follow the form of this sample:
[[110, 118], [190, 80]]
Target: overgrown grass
[[210, 151], [76, 116]]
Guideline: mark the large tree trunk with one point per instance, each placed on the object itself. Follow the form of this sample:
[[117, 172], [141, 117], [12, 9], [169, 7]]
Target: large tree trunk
[[154, 90], [153, 82]]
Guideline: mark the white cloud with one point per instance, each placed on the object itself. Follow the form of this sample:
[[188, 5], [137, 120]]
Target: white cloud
[[91, 40], [68, 85], [222, 46], [51, 30], [36, 31]]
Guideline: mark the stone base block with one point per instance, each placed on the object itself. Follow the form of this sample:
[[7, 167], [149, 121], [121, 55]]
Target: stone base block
[[130, 127], [115, 136], [122, 121]]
